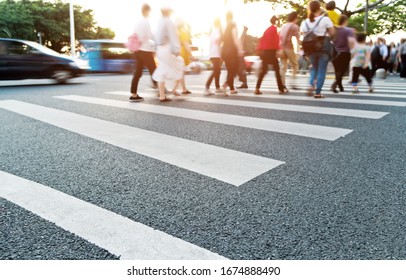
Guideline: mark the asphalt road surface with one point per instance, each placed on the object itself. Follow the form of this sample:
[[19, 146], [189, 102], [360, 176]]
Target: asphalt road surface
[[85, 174]]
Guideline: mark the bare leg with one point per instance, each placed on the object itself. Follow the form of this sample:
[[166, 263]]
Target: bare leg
[[161, 87]]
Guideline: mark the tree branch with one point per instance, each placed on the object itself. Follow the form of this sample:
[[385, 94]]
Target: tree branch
[[373, 6]]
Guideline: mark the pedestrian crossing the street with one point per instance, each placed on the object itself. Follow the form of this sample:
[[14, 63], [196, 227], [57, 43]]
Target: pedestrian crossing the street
[[231, 167]]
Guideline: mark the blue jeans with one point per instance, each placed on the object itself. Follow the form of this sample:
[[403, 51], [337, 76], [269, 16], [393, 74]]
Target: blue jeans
[[318, 71]]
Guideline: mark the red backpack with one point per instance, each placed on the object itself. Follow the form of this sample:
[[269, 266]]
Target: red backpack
[[133, 43]]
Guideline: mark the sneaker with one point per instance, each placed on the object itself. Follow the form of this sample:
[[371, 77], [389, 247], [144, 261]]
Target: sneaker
[[355, 91], [208, 92], [219, 90], [233, 92], [136, 98], [371, 90]]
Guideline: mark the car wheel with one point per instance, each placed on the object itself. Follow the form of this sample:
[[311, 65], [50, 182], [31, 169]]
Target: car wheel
[[61, 75]]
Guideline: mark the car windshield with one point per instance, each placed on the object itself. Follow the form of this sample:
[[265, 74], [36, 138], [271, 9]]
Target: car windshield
[[42, 48]]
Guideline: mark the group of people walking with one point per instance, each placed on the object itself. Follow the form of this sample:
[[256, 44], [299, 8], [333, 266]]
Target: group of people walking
[[338, 43], [172, 46]]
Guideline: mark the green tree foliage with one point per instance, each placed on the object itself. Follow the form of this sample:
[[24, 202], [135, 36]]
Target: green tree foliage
[[385, 16], [25, 19]]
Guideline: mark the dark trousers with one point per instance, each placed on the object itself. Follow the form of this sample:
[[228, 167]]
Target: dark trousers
[[378, 64], [216, 61], [142, 59], [232, 67], [403, 66], [269, 57], [242, 73], [356, 71], [341, 63]]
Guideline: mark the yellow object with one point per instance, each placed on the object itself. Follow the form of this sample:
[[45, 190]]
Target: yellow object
[[334, 16], [185, 39]]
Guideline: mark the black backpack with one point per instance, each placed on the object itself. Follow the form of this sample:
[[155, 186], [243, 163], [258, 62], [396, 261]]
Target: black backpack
[[376, 53], [311, 43]]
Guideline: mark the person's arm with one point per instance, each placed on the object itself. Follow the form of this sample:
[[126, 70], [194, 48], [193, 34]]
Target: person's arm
[[384, 50], [173, 38], [367, 59], [237, 41], [296, 34]]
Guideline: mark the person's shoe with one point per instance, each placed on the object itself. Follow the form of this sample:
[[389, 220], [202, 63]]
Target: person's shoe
[[219, 90], [318, 95], [243, 86], [233, 92], [258, 92], [136, 98], [186, 92], [310, 91], [295, 87], [208, 92], [355, 91], [334, 90], [371, 90]]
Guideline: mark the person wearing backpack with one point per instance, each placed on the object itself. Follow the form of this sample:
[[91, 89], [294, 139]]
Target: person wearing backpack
[[142, 45], [342, 39], [402, 59], [316, 27]]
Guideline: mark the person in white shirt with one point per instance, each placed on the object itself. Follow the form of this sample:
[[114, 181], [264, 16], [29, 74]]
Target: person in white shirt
[[170, 64], [215, 56], [323, 26], [144, 57]]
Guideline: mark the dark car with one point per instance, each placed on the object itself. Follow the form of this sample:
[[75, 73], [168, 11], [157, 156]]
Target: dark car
[[21, 59]]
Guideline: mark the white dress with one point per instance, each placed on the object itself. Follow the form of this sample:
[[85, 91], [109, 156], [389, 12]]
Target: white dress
[[170, 64]]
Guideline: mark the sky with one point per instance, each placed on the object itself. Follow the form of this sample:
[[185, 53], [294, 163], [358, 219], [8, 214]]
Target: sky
[[121, 15]]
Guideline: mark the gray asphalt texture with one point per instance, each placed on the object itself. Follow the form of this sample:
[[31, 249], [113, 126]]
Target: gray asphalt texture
[[331, 200]]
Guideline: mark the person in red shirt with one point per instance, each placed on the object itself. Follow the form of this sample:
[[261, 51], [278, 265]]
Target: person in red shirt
[[268, 47]]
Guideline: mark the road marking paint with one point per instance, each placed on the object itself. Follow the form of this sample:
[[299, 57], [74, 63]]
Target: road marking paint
[[281, 107], [305, 130], [330, 99], [223, 164], [117, 234]]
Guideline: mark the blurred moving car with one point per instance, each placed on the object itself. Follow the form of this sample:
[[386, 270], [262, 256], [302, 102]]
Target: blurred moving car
[[107, 56], [253, 64], [20, 59]]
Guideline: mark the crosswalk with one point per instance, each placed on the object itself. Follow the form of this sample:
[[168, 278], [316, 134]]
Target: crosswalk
[[142, 242]]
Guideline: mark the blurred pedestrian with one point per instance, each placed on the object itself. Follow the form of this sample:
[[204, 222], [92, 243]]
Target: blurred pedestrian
[[392, 58], [361, 60], [402, 58], [379, 56], [231, 51], [288, 54], [322, 26], [216, 34], [332, 14], [185, 40], [343, 38], [144, 56], [170, 64], [242, 72], [268, 48]]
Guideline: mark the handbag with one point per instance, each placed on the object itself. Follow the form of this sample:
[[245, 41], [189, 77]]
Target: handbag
[[329, 48], [311, 42]]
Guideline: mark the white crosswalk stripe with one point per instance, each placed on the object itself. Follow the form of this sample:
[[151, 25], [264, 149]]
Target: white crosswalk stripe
[[330, 99], [281, 107], [132, 240], [119, 235], [306, 130], [194, 156]]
